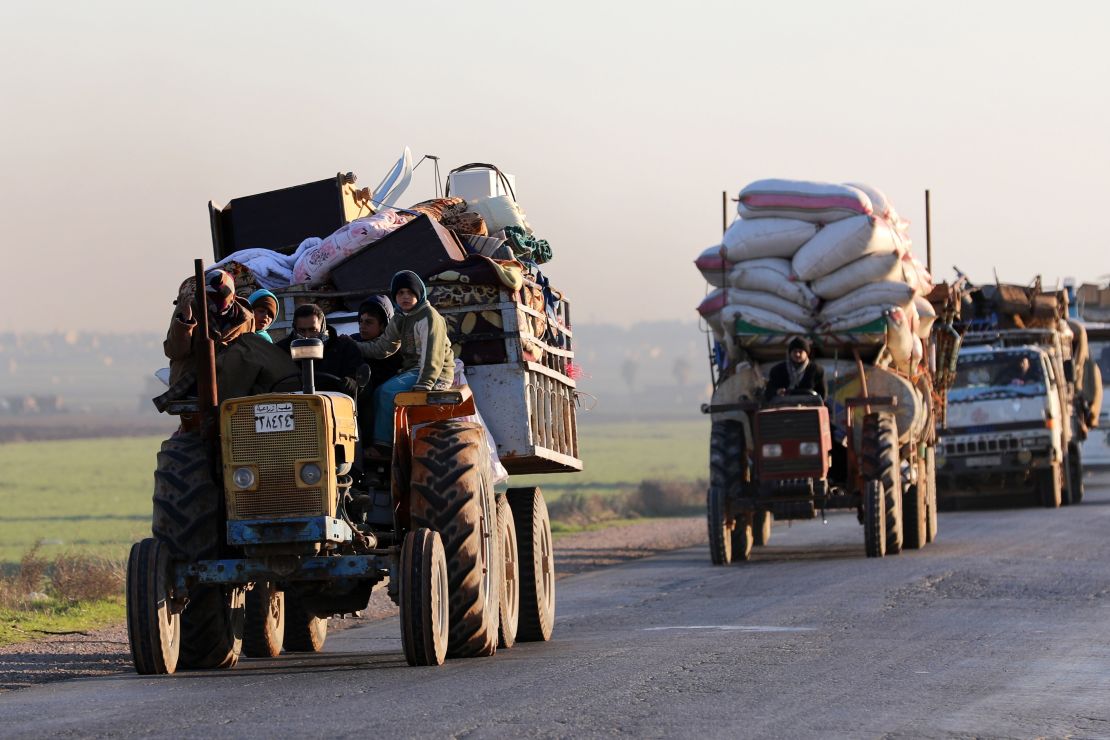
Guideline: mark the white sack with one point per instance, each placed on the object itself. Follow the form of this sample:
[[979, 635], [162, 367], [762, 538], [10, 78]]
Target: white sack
[[749, 239], [899, 338], [857, 273], [881, 207], [713, 266], [772, 276], [720, 299], [758, 317], [852, 320], [816, 202], [838, 244], [886, 293], [498, 212], [926, 315]]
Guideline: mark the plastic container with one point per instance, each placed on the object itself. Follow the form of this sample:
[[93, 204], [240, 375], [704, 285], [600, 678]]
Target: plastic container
[[477, 184]]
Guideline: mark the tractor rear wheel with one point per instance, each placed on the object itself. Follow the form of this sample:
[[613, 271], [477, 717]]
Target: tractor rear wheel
[[153, 629], [880, 462], [509, 609], [424, 598], [452, 493], [931, 492], [720, 534], [188, 520], [874, 519], [265, 621], [537, 564], [304, 631]]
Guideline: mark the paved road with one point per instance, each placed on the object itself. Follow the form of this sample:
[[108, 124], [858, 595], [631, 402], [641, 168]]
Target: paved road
[[1001, 628]]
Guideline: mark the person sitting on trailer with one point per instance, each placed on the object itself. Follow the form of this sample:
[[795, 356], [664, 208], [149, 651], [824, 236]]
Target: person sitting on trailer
[[341, 355], [420, 333], [374, 314], [796, 374], [265, 307]]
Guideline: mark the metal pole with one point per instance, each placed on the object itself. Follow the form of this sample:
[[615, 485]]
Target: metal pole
[[204, 350], [724, 211], [928, 234]]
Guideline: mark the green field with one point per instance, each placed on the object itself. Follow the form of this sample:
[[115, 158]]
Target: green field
[[95, 494]]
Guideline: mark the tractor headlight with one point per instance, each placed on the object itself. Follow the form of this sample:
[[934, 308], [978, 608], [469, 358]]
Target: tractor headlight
[[772, 450], [809, 448], [244, 478], [311, 474]]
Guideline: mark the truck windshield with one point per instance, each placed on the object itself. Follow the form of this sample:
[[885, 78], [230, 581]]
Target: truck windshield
[[985, 375], [1100, 352]]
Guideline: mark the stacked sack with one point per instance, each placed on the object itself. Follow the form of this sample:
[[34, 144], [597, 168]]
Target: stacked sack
[[818, 258]]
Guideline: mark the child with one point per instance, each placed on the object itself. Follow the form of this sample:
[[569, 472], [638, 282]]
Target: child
[[420, 333]]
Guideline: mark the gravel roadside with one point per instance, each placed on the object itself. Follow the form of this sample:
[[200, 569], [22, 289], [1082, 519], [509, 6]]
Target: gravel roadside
[[106, 652]]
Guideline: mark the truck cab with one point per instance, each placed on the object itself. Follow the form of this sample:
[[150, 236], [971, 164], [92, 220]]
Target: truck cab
[[1096, 448]]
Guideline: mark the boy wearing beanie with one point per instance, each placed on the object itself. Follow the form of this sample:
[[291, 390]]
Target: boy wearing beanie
[[419, 332], [265, 307]]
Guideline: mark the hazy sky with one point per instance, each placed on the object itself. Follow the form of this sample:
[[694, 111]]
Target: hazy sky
[[622, 122]]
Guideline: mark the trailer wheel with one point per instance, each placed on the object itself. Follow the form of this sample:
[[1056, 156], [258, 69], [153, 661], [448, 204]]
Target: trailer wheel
[[264, 630], [509, 609], [916, 513], [153, 628], [742, 537], [424, 598], [452, 493], [304, 631], [931, 492], [1049, 486], [188, 508], [537, 564], [761, 526], [720, 535], [880, 462], [1075, 475], [874, 519]]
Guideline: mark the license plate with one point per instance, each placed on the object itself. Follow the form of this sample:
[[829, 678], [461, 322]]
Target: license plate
[[273, 417], [984, 462]]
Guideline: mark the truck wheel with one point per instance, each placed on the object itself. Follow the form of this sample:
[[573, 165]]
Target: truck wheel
[[304, 631], [916, 513], [188, 508], [1049, 486], [874, 519], [451, 493], [720, 535], [424, 598], [931, 493], [153, 630], [761, 527], [880, 462], [1075, 474], [264, 630], [742, 537], [536, 557], [509, 609]]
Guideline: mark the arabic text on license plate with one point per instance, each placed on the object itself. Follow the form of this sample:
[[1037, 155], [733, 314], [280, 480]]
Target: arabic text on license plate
[[273, 417], [984, 462]]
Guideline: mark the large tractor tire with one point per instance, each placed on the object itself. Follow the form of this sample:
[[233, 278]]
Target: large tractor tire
[[1074, 464], [931, 493], [264, 630], [1050, 486], [509, 609], [720, 532], [874, 519], [153, 629], [188, 520], [880, 462], [305, 632], [537, 564], [424, 598], [452, 493], [761, 526], [742, 537], [915, 516]]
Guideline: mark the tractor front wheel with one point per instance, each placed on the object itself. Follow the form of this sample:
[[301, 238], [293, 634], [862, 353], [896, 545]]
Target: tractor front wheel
[[509, 608], [424, 598], [153, 628], [265, 621]]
